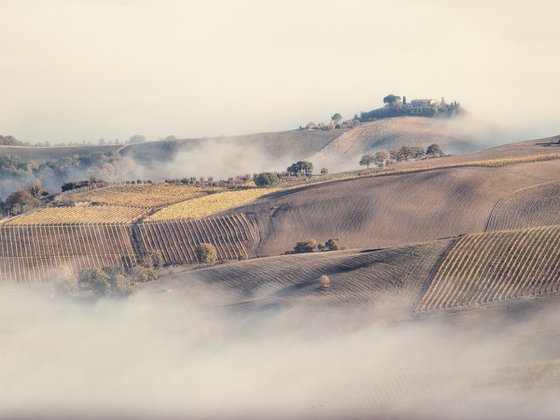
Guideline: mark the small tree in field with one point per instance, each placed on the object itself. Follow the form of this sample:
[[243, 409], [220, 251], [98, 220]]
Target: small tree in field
[[367, 160], [157, 259], [324, 171], [381, 157], [266, 179], [206, 253], [417, 152], [96, 280], [302, 167], [333, 244], [405, 153], [434, 150], [336, 118], [306, 246]]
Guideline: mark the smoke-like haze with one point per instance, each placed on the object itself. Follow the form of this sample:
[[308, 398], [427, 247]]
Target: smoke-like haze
[[213, 158], [169, 356], [90, 69]]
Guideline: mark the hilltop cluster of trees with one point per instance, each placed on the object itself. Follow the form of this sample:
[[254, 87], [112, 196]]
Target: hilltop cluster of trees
[[297, 169], [332, 244], [397, 107], [336, 123], [402, 154]]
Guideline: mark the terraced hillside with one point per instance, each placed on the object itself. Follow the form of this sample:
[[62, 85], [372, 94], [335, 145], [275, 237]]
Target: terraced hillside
[[489, 267], [529, 207], [392, 210]]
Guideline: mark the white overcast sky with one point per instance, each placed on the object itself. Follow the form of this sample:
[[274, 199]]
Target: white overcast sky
[[73, 70]]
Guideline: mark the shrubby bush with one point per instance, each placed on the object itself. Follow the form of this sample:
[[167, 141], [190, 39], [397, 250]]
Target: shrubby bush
[[206, 253], [266, 179]]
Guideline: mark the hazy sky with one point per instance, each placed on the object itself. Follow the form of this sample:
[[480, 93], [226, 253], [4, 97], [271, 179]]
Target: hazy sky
[[87, 69]]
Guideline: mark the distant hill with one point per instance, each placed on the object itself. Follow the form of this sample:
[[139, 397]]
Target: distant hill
[[293, 144], [334, 148], [454, 135], [43, 154]]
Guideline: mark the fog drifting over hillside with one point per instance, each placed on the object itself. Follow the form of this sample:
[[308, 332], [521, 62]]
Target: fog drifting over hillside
[[150, 356], [90, 69]]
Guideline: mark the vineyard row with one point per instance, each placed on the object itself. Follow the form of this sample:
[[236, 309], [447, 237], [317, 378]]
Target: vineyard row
[[489, 267], [31, 253]]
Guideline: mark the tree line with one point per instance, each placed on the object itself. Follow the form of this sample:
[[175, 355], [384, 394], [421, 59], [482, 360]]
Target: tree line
[[401, 154]]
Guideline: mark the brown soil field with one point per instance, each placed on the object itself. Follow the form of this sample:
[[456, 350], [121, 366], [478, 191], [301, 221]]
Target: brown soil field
[[528, 207], [387, 283], [394, 209], [462, 273]]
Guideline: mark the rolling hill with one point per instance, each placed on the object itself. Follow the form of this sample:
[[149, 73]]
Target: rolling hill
[[42, 154], [395, 209], [286, 145], [391, 133], [461, 273], [410, 203]]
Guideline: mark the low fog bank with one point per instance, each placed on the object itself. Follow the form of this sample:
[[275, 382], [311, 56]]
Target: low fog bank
[[457, 135], [213, 158], [165, 356], [222, 158], [230, 157]]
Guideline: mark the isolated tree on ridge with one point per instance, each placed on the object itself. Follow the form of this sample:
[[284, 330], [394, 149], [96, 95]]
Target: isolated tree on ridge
[[367, 160], [391, 100], [336, 118], [380, 157]]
